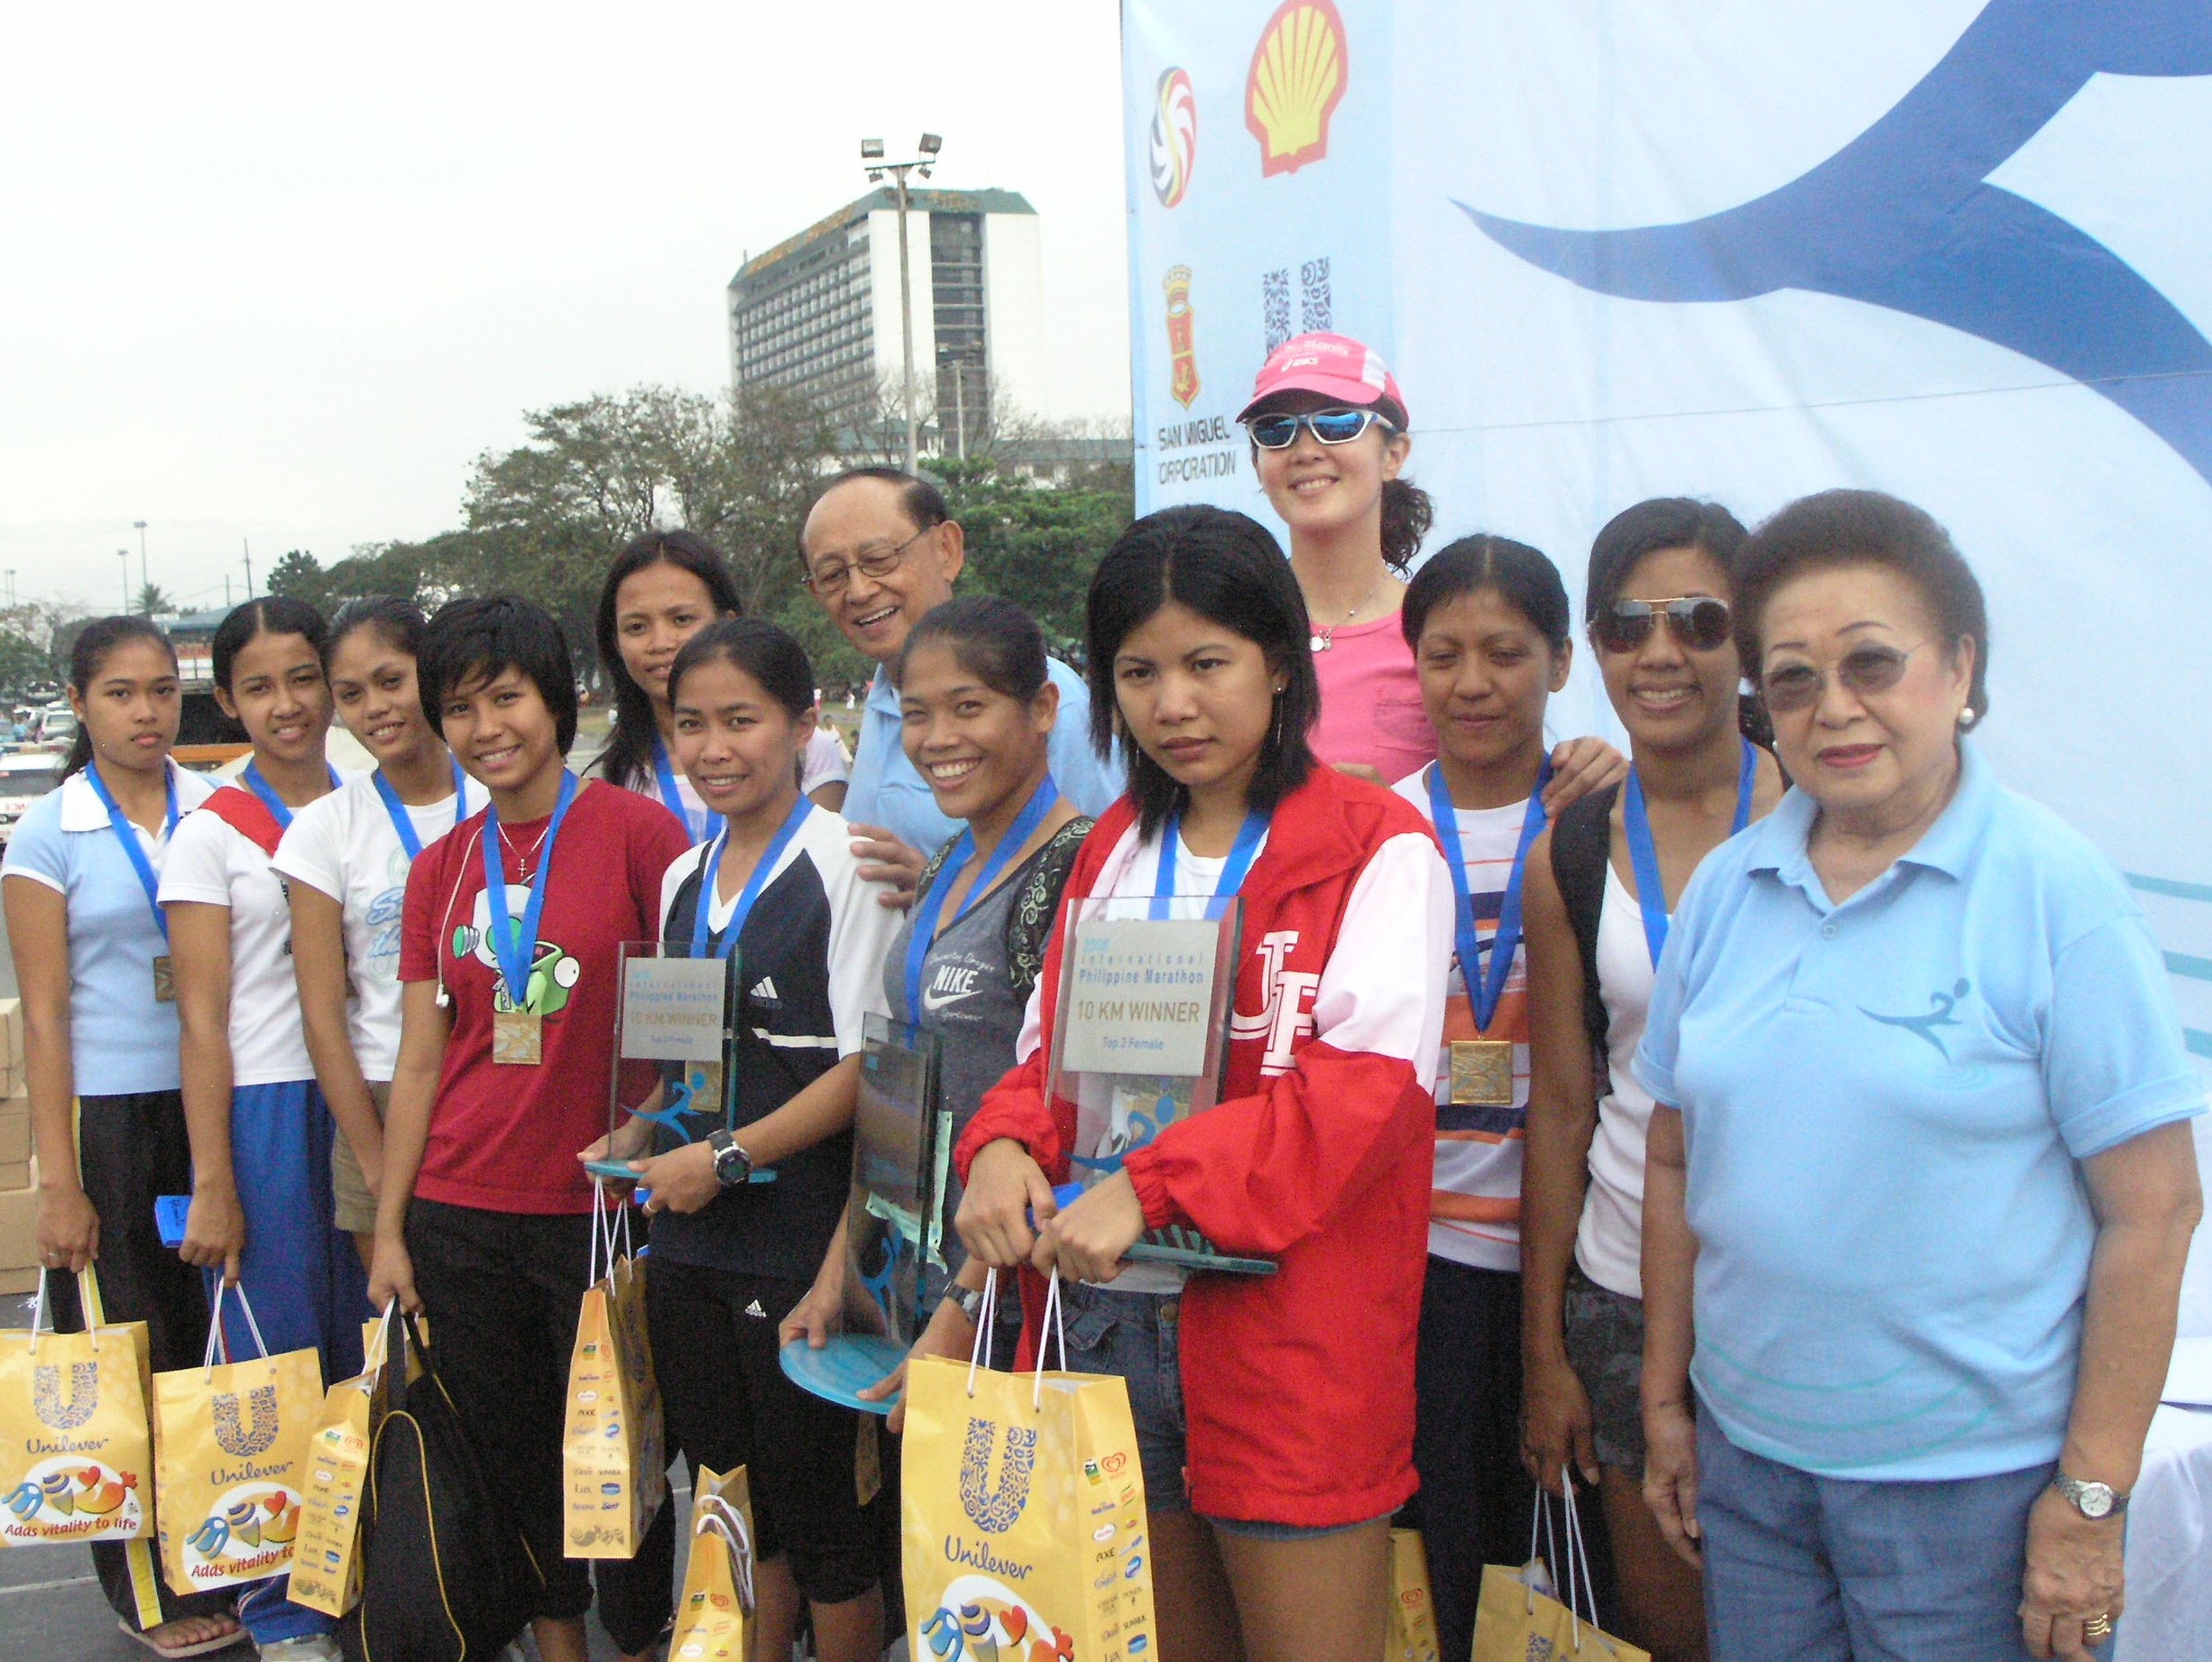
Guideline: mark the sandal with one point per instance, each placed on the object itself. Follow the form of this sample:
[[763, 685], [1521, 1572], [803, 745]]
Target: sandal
[[234, 1635]]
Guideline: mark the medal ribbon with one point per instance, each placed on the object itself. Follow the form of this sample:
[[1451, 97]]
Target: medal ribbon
[[703, 828], [252, 780], [1240, 856], [1651, 897], [711, 862], [133, 849], [403, 824], [1485, 983], [926, 911], [515, 949]]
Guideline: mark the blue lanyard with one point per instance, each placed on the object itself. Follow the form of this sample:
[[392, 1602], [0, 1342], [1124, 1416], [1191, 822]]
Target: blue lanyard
[[133, 849], [925, 909], [405, 825], [515, 949], [711, 862], [1651, 896], [1485, 983], [1239, 862], [708, 823], [252, 780]]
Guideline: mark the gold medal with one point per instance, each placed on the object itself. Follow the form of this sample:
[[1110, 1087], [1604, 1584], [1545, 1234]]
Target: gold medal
[[517, 1038], [867, 1461], [1481, 1073], [704, 1078], [164, 980]]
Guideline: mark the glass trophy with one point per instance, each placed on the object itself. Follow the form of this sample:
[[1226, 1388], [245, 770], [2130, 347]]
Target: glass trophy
[[1141, 1040], [678, 1012], [902, 1147]]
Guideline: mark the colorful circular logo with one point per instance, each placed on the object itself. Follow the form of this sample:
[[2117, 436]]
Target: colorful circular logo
[[1175, 137]]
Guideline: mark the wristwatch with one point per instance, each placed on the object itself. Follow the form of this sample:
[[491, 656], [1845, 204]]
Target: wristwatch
[[968, 1299], [732, 1165], [2091, 1499]]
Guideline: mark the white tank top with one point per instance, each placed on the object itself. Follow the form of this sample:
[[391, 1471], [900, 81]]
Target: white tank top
[[1610, 1243]]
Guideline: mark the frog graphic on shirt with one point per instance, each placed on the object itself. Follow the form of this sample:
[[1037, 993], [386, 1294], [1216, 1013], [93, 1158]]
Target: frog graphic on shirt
[[553, 974]]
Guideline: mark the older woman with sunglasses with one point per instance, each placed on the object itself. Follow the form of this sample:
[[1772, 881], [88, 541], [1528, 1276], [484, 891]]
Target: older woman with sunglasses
[[1328, 432], [1920, 1184]]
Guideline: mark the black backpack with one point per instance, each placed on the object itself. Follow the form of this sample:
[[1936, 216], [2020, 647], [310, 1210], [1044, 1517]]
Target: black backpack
[[448, 1577]]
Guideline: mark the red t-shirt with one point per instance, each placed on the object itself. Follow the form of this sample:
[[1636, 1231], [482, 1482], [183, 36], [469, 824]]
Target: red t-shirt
[[504, 1138]]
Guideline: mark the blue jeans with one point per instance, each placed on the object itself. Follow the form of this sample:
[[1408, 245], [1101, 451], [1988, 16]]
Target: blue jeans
[[1137, 1336], [1803, 1568]]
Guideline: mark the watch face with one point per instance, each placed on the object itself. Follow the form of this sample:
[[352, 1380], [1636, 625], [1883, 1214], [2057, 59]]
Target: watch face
[[2095, 1500]]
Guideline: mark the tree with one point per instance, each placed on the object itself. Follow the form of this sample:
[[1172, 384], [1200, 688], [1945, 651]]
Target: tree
[[298, 574], [1036, 542], [154, 601], [35, 638]]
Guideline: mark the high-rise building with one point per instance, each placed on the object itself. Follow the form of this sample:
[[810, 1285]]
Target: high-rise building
[[819, 312]]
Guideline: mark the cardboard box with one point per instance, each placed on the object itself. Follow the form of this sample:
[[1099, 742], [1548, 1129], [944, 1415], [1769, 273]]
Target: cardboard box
[[19, 1280], [14, 1175], [12, 1045], [19, 1229], [14, 1131]]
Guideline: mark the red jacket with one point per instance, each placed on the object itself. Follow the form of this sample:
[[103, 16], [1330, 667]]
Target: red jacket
[[1298, 1387]]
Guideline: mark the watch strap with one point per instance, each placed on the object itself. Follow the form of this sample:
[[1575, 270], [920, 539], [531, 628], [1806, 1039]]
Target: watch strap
[[2082, 1496]]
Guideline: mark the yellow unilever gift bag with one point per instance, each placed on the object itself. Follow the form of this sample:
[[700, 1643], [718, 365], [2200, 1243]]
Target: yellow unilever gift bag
[[1023, 1511], [1413, 1616], [326, 1558], [714, 1614], [228, 1439], [614, 1473], [75, 1457], [1519, 1620]]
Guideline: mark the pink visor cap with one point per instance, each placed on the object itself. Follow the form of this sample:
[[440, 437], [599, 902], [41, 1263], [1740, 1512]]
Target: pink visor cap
[[1333, 366]]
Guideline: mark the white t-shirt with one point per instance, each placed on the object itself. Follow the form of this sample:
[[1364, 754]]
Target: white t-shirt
[[346, 846], [1610, 1243], [213, 865], [1475, 1197]]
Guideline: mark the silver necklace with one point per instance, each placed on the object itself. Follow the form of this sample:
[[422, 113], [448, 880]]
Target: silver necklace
[[1324, 637]]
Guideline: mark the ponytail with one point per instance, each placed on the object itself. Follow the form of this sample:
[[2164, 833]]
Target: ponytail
[[1406, 515]]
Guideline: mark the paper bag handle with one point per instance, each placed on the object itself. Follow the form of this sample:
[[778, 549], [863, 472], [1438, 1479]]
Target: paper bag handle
[[713, 1512], [606, 1218], [986, 1318], [1570, 1552], [1054, 1322], [214, 1326], [88, 1301]]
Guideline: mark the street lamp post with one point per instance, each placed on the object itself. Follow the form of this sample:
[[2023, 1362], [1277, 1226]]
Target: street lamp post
[[125, 556], [145, 579], [872, 153]]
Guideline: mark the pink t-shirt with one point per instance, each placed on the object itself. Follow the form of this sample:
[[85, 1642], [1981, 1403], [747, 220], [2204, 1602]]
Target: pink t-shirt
[[1370, 702]]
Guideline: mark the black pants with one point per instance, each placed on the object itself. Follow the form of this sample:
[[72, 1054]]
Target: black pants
[[131, 1149], [1476, 1501], [728, 1404], [503, 1290]]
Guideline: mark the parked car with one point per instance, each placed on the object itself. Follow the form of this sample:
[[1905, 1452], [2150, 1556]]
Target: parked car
[[55, 727], [24, 777]]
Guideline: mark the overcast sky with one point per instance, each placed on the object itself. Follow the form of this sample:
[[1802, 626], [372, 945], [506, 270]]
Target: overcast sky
[[281, 273]]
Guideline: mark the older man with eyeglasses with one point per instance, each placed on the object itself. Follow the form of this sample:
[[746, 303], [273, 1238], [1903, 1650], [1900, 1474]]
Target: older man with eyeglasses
[[880, 550]]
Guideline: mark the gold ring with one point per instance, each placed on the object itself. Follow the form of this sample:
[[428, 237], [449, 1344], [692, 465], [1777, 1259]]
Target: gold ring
[[2096, 1627]]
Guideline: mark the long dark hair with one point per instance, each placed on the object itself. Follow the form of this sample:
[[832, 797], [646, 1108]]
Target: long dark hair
[[1228, 569], [276, 615], [989, 636], [629, 754], [87, 654]]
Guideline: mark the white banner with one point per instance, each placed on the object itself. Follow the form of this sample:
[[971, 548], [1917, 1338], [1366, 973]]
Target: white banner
[[1956, 250]]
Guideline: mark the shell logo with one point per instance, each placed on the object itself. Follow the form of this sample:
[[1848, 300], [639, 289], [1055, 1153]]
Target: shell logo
[[1175, 137], [1297, 79]]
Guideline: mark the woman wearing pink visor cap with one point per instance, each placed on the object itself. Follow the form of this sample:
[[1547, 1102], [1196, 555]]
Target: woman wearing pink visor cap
[[1329, 438]]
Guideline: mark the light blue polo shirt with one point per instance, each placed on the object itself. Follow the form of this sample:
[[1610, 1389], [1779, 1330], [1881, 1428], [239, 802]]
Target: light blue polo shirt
[[1885, 1103], [886, 790], [121, 1043]]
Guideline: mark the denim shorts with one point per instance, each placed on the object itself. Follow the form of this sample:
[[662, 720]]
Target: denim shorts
[[1137, 1336], [1604, 1346]]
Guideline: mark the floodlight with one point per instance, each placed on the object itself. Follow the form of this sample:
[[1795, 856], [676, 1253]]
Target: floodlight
[[931, 143], [871, 150]]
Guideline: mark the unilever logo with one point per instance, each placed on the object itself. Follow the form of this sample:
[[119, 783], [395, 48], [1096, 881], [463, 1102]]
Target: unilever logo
[[237, 1439], [84, 1394], [994, 1510], [1903, 217]]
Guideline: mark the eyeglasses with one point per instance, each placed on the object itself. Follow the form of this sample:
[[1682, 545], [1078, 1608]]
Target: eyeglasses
[[1697, 621], [1279, 432], [1866, 670], [875, 560]]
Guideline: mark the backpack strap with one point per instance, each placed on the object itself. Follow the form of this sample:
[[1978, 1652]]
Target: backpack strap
[[1030, 920], [1582, 845], [247, 815]]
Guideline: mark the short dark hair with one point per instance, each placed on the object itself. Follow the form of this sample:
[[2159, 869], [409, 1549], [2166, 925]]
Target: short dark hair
[[1864, 528], [1527, 580], [398, 620], [922, 502], [87, 654], [479, 638], [762, 651], [989, 636], [628, 756], [276, 615], [1227, 568], [1659, 522]]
